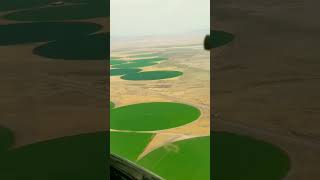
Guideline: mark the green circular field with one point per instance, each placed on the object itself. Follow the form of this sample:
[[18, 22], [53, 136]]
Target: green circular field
[[243, 158], [187, 159], [133, 64], [151, 75], [152, 116], [79, 157], [94, 47], [119, 72], [20, 33], [129, 145], [84, 10]]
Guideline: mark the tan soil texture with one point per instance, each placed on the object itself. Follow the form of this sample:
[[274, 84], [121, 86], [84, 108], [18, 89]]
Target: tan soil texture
[[43, 98], [267, 81]]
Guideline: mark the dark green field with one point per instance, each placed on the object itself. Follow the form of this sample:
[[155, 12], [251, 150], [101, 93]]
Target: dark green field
[[129, 70], [22, 33], [86, 47], [244, 158], [119, 72], [78, 9], [151, 75], [80, 157]]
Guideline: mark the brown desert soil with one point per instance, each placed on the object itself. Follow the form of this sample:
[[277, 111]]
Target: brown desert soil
[[266, 82]]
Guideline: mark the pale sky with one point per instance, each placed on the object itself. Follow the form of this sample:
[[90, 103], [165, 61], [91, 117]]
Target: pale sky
[[152, 17]]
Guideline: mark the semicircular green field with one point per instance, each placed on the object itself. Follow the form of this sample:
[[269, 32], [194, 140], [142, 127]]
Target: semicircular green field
[[152, 116], [6, 139], [19, 33], [93, 47], [220, 38], [151, 75], [133, 64], [187, 159], [80, 157], [119, 72], [129, 145], [244, 158], [84, 10]]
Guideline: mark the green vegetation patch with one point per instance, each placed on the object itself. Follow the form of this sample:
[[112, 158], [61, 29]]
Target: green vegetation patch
[[187, 159], [152, 116], [243, 158], [7, 5], [6, 139], [93, 47], [151, 75], [129, 145], [118, 72], [116, 62], [79, 157], [20, 33], [83, 10], [220, 38], [135, 64]]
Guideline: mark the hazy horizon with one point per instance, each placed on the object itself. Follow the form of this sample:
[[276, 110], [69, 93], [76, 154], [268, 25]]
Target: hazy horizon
[[153, 17]]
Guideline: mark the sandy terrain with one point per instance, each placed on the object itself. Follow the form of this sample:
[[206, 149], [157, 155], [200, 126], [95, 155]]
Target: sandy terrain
[[266, 83], [43, 98], [193, 88]]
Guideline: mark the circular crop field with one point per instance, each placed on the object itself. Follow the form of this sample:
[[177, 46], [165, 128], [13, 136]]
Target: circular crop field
[[133, 64], [118, 72], [83, 10], [151, 75], [93, 47], [152, 116], [187, 159], [121, 142], [20, 33], [80, 157], [244, 158]]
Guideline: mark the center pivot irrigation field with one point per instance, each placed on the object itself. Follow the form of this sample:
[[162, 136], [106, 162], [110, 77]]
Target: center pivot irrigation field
[[132, 69], [135, 126]]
